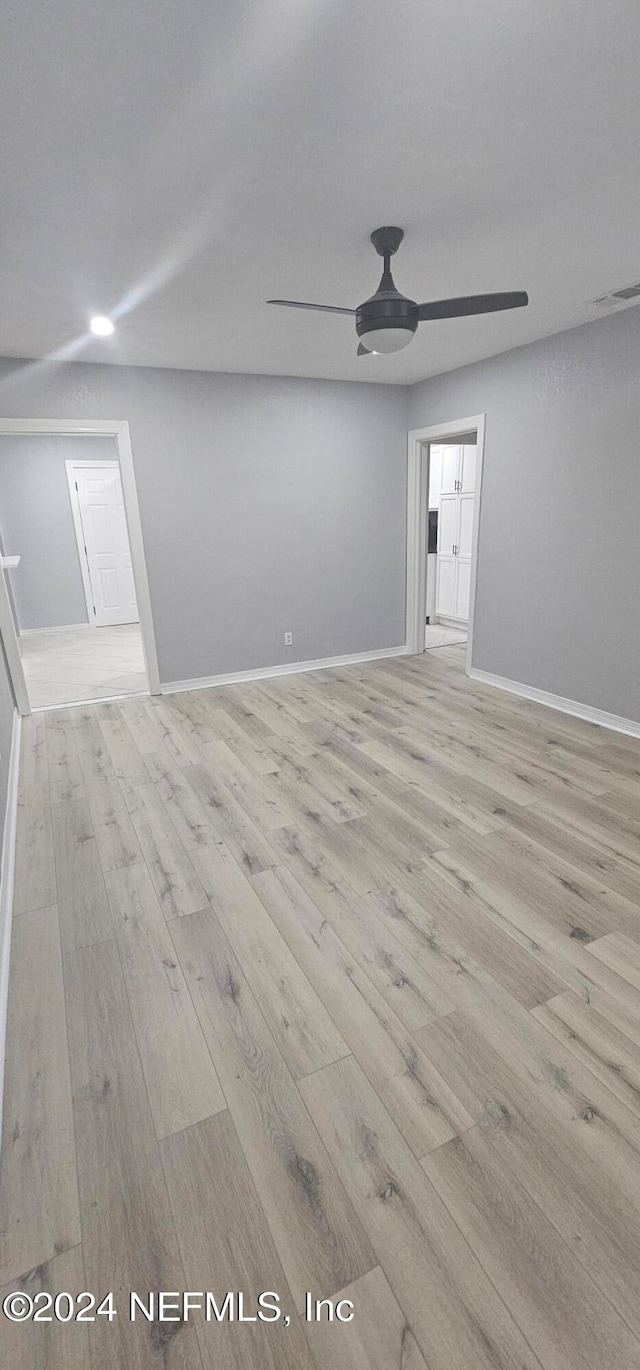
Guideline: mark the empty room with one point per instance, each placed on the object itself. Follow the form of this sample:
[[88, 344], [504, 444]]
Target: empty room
[[319, 706]]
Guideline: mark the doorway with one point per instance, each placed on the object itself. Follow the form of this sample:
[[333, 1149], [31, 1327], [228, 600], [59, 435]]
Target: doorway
[[75, 614], [451, 485], [443, 507]]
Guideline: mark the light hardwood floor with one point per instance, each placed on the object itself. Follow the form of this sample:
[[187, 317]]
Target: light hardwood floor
[[328, 983]]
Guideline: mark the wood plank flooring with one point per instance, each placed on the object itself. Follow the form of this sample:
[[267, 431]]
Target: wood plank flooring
[[328, 983]]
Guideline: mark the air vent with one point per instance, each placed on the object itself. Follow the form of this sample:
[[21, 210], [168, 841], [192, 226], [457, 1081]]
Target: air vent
[[622, 296], [629, 292]]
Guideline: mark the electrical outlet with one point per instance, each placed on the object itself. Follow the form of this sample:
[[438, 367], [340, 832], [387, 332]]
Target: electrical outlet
[[288, 639]]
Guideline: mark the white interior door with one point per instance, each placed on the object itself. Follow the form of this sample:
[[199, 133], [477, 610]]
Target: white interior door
[[105, 543]]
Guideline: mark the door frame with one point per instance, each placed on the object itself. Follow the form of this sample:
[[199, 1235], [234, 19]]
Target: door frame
[[71, 464], [418, 440], [118, 429]]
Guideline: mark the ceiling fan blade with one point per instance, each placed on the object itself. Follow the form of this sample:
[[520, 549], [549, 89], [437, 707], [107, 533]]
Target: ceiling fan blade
[[326, 308], [472, 304], [363, 351]]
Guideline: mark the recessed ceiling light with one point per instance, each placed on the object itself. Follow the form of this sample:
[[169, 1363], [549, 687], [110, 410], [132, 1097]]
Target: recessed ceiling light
[[101, 326]]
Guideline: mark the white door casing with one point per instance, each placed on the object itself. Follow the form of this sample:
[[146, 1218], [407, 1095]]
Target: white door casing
[[103, 542]]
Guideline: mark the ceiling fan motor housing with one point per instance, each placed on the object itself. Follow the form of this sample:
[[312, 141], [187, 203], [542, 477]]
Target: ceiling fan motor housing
[[386, 309]]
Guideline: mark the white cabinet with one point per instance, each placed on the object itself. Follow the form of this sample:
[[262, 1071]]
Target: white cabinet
[[450, 470], [435, 475], [467, 469], [455, 531]]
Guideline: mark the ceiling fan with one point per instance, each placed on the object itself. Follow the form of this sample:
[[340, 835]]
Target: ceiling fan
[[388, 320]]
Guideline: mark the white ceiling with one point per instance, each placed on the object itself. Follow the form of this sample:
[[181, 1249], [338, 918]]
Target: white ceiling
[[180, 161]]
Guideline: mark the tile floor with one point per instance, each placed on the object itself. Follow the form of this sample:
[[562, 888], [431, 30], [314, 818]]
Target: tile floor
[[75, 664], [436, 635]]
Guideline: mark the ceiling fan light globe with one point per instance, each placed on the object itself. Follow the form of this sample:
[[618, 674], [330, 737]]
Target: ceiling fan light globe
[[387, 339]]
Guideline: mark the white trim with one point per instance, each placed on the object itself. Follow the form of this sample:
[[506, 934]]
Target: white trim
[[564, 706], [458, 623], [9, 635], [59, 628], [6, 887], [118, 429], [418, 440], [417, 500], [81, 703], [288, 668], [138, 561]]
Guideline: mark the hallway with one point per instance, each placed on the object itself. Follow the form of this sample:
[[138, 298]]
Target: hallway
[[75, 664]]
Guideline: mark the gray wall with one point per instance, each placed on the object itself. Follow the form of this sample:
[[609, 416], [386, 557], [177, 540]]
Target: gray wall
[[270, 504], [559, 552], [267, 505], [36, 521]]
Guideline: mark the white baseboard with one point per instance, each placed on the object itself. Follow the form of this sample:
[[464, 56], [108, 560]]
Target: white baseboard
[[59, 628], [94, 699], [459, 623], [564, 706], [288, 668], [6, 888]]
